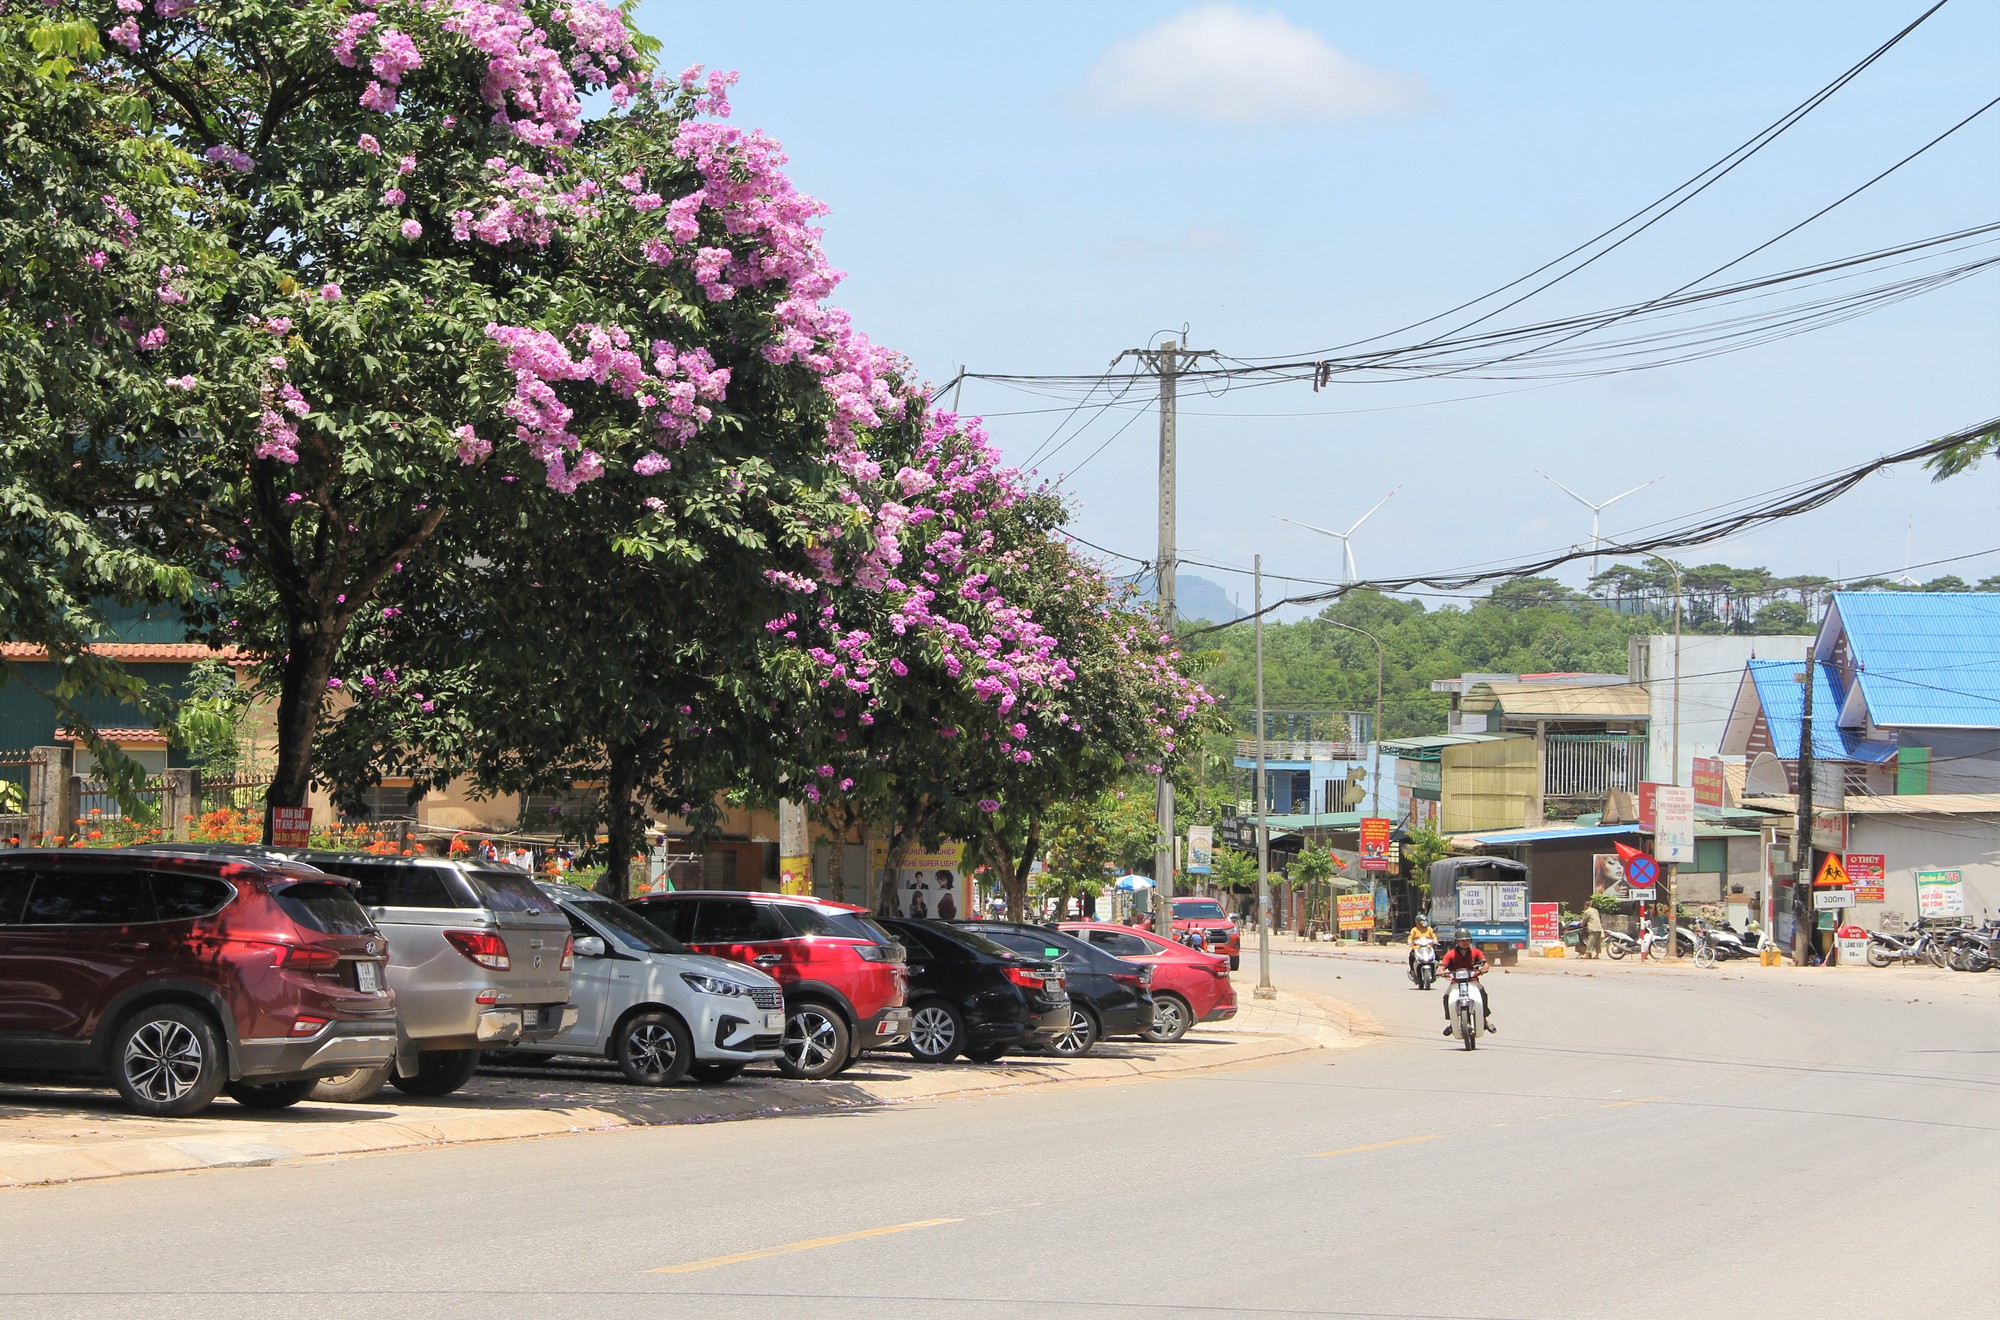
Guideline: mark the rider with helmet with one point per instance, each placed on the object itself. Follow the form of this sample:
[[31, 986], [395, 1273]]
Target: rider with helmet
[[1464, 955], [1418, 934]]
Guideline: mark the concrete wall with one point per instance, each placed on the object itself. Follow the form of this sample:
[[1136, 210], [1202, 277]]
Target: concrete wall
[[1908, 844], [1962, 760], [1711, 670]]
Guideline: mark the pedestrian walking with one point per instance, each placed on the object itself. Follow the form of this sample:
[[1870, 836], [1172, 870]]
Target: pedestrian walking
[[1593, 932]]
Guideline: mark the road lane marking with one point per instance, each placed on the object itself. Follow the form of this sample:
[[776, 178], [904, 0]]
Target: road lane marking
[[810, 1244], [1380, 1145], [1627, 1104]]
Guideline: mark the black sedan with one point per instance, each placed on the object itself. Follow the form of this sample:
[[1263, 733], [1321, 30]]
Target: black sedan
[[971, 996], [1108, 996]]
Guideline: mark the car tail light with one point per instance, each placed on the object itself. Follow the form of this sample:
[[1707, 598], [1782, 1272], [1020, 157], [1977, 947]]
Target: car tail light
[[482, 946], [1032, 980], [1146, 977], [877, 952], [1135, 979], [304, 957], [569, 954], [306, 1026], [487, 997]]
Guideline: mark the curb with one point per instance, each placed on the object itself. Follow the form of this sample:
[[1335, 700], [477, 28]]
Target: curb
[[306, 1132]]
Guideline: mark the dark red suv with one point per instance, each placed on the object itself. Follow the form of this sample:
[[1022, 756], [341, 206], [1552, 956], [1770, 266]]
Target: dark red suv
[[843, 975], [177, 978]]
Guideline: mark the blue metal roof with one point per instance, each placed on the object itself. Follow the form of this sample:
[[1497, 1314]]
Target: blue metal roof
[[1783, 699], [1496, 837], [1926, 659]]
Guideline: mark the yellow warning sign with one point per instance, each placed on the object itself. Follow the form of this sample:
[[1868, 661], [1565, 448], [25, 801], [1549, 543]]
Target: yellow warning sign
[[1832, 874]]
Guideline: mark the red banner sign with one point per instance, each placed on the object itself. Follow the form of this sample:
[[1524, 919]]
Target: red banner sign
[[291, 827], [1375, 843], [1711, 783], [1545, 923]]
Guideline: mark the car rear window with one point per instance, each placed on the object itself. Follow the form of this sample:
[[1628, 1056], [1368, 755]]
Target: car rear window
[[977, 943], [510, 891], [329, 909], [808, 920], [737, 921], [1204, 908], [89, 898], [395, 884]]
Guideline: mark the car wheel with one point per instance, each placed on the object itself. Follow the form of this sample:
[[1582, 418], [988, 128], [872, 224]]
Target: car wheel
[[1172, 1016], [937, 1032], [439, 1072], [985, 1053], [167, 1061], [653, 1049], [1079, 1039], [353, 1087], [270, 1095], [816, 1042], [1235, 962], [713, 1073]]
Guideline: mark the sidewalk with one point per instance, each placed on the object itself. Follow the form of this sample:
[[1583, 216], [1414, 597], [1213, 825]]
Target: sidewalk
[[57, 1134]]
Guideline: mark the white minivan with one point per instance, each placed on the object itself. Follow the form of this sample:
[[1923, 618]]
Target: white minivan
[[658, 1011]]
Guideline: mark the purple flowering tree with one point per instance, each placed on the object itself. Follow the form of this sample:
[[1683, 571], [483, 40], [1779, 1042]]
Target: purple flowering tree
[[427, 282]]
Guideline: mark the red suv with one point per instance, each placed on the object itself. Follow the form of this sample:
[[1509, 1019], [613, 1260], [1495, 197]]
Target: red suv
[[178, 978], [1189, 986], [844, 976], [1218, 933]]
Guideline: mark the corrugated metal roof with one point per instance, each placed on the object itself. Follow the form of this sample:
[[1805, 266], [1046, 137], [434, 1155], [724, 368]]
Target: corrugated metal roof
[[29, 651], [1926, 659], [1600, 701], [1783, 699], [1543, 834]]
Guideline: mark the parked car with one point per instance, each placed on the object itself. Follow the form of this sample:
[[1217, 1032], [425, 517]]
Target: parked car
[[970, 995], [478, 958], [179, 978], [1107, 996], [655, 1008], [843, 975], [1189, 986], [1219, 934]]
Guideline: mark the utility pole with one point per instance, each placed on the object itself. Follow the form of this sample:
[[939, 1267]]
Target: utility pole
[[1264, 987], [1673, 868], [1168, 361], [1802, 877]]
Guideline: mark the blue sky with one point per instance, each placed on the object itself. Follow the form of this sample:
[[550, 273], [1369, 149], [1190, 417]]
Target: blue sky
[[1033, 187]]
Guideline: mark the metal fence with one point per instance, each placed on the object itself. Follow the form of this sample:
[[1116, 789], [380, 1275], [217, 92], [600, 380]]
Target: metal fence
[[1593, 764], [223, 794], [94, 800]]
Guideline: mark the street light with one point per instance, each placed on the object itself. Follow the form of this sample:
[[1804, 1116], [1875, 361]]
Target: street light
[[1375, 779]]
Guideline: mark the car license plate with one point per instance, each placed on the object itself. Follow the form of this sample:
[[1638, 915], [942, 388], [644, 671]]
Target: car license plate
[[368, 976], [774, 1022]]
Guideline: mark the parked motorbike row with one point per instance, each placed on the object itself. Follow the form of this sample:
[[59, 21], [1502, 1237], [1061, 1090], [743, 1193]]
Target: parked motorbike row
[[1960, 948]]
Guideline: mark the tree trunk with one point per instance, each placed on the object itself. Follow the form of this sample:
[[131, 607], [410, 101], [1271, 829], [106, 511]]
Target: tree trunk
[[1013, 870], [622, 824], [301, 697]]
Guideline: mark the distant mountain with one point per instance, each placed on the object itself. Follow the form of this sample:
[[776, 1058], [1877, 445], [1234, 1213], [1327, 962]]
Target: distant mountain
[[1196, 598]]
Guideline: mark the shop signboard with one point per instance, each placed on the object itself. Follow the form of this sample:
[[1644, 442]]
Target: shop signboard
[[1375, 843], [1829, 831], [1357, 912], [1868, 871], [1711, 782], [1545, 924], [1940, 894]]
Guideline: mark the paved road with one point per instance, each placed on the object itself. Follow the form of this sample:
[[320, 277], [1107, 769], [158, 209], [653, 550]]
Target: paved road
[[1631, 1146]]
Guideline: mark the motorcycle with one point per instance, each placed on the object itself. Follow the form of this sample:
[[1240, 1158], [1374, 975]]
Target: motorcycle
[[1423, 967], [1886, 947], [1617, 944], [1967, 951], [1468, 1007]]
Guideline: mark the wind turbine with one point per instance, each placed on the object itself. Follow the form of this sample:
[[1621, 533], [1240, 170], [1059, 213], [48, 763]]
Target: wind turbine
[[1595, 509], [1345, 538]]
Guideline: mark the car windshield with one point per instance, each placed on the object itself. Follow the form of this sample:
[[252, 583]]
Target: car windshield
[[629, 926], [1204, 908], [509, 891]]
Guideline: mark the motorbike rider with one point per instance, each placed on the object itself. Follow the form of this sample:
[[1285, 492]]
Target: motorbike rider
[[1418, 934], [1465, 955]]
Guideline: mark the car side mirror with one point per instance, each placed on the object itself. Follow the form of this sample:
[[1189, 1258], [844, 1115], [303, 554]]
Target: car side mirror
[[589, 946]]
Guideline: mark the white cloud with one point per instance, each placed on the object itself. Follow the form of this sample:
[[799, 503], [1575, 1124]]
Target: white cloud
[[1202, 243], [1224, 63]]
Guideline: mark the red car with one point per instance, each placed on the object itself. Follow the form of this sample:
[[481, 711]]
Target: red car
[[1219, 934], [177, 978], [844, 977], [1189, 986]]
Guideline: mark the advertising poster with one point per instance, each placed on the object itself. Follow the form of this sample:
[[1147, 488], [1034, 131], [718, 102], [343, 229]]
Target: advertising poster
[[1200, 849], [1673, 823], [1868, 871], [1375, 832], [1545, 924], [1382, 907], [291, 827], [1940, 894], [1711, 782], [1357, 912], [931, 883]]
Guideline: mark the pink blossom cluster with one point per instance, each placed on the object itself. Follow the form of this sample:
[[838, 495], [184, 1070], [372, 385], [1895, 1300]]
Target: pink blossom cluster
[[533, 92], [672, 389], [526, 207], [235, 158], [277, 429]]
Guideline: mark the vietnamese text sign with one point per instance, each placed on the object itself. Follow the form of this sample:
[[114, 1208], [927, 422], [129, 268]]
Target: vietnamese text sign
[[1673, 823], [1545, 923], [1940, 894], [1475, 903], [1357, 912], [1510, 902], [1711, 782], [1375, 843], [1201, 849], [291, 827], [1866, 868], [1646, 808], [1829, 831]]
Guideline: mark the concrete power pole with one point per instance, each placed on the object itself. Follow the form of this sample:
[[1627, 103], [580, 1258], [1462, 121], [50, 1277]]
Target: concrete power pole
[[1802, 872], [1264, 987]]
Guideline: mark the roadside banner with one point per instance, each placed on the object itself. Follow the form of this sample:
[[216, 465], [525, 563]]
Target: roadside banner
[[1711, 782], [930, 883], [1357, 912], [1673, 823], [1940, 894], [291, 827], [1200, 849], [1545, 924], [1375, 832]]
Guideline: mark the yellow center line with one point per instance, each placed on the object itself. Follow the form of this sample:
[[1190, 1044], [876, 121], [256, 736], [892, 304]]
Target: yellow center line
[[1379, 1145], [808, 1245], [1627, 1104]]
